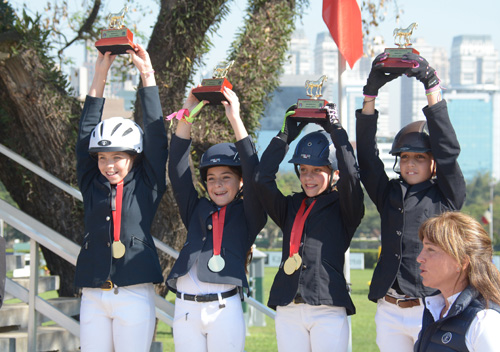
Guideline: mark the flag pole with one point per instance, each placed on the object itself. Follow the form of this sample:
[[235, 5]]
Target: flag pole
[[340, 104]]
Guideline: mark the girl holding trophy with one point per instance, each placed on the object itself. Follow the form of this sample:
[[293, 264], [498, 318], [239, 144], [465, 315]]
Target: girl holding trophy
[[310, 293], [121, 174], [209, 275], [430, 183]]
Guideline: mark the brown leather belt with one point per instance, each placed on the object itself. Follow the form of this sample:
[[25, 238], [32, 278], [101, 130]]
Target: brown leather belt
[[403, 302], [107, 285]]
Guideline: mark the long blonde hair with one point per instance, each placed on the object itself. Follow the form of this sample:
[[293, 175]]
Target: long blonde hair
[[463, 238]]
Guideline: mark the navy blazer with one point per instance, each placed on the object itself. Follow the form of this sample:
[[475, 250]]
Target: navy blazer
[[142, 191], [403, 208], [243, 222], [328, 229]]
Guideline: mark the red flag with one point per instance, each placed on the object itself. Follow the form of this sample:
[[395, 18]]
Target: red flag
[[486, 218], [343, 19]]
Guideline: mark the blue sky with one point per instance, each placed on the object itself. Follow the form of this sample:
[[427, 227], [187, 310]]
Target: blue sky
[[439, 21]]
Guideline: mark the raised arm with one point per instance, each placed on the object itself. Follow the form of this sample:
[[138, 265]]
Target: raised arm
[[141, 60], [425, 74], [102, 65], [232, 106]]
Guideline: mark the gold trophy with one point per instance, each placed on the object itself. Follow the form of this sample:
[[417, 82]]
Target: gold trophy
[[117, 38], [393, 63], [211, 88], [312, 109]]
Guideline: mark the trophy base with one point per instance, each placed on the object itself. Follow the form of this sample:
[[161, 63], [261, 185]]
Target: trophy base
[[393, 63], [117, 41], [310, 110], [211, 90]]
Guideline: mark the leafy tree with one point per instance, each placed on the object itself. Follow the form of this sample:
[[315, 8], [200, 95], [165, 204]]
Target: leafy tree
[[39, 117]]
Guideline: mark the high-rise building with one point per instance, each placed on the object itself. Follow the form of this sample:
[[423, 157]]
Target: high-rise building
[[325, 55], [299, 54], [475, 118], [474, 61]]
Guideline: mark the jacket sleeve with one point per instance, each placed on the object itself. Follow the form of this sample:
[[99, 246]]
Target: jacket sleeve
[[273, 201], [180, 177], [445, 150], [256, 216], [86, 165], [155, 138], [349, 184], [372, 170]]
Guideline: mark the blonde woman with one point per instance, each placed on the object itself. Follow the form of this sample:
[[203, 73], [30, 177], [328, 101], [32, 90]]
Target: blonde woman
[[456, 259]]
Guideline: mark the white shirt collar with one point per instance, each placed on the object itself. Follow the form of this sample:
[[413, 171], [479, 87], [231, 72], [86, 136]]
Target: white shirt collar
[[435, 304]]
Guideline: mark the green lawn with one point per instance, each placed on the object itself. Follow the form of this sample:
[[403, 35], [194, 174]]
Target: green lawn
[[263, 339]]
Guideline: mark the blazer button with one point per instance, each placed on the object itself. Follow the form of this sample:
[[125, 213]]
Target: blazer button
[[209, 227], [304, 267], [397, 256], [204, 238], [109, 244], [108, 218], [398, 233]]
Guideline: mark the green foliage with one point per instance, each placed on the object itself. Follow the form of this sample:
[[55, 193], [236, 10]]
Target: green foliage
[[259, 52], [7, 17], [288, 183], [371, 256]]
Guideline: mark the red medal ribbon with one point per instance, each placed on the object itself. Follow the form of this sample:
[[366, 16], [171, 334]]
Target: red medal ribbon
[[298, 226], [117, 211], [218, 228]]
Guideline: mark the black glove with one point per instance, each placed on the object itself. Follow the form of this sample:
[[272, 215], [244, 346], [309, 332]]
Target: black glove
[[377, 77], [422, 71], [331, 122], [290, 129]]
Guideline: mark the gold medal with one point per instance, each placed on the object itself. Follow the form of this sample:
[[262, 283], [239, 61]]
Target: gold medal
[[118, 249], [290, 266], [298, 260], [216, 263]]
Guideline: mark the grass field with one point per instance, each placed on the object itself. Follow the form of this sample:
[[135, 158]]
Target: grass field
[[263, 339]]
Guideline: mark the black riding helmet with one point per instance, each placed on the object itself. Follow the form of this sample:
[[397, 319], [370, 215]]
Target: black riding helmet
[[414, 138], [316, 149], [222, 154]]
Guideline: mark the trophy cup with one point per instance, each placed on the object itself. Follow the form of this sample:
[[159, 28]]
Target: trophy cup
[[117, 38], [211, 88], [311, 110], [393, 63]]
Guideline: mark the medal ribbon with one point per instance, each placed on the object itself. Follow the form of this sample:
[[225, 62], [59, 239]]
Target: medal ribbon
[[116, 208], [218, 228], [298, 226]]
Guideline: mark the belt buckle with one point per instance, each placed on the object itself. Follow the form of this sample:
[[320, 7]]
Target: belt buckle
[[399, 300], [196, 298], [110, 286]]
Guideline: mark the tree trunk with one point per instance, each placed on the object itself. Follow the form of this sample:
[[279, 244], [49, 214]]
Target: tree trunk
[[39, 121]]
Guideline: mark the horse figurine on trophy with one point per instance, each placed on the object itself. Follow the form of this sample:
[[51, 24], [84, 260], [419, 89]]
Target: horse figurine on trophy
[[318, 84], [222, 68], [402, 35], [116, 19]]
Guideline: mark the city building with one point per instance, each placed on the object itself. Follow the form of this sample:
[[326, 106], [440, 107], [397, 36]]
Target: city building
[[475, 115], [473, 62]]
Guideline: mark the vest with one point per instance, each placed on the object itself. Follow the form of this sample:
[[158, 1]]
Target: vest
[[448, 334]]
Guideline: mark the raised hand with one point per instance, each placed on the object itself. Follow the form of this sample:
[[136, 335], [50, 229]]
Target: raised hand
[[291, 128], [377, 77], [421, 70]]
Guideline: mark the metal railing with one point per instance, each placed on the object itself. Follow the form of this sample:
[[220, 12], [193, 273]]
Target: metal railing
[[40, 234]]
